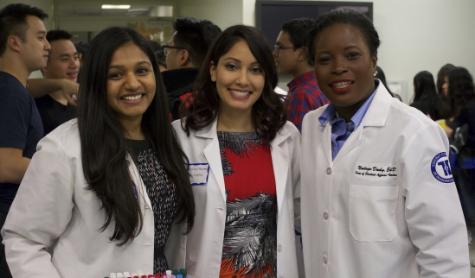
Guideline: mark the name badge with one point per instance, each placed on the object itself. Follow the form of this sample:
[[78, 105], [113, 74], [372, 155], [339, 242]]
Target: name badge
[[376, 170], [199, 173]]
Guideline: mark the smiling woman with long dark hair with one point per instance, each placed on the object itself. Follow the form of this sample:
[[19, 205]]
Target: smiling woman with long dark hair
[[102, 193], [243, 163]]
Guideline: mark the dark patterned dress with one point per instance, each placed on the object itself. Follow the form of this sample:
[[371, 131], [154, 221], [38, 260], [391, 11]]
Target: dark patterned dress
[[162, 194], [250, 235]]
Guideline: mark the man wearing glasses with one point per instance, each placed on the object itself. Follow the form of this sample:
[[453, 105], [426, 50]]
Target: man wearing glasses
[[291, 57], [184, 55]]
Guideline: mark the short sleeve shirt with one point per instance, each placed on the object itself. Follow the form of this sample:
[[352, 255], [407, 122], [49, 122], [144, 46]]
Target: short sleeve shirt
[[53, 113], [20, 124]]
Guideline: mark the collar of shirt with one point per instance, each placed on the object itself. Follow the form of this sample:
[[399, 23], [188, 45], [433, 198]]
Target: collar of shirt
[[341, 130], [306, 78], [330, 115]]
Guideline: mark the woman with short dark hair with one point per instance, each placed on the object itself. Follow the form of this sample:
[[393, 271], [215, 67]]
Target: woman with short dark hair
[[378, 197]]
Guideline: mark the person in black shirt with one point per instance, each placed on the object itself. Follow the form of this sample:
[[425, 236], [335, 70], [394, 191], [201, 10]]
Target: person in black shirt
[[23, 49], [184, 54], [63, 62]]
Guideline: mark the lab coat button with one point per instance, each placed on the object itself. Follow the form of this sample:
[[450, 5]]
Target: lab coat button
[[279, 247], [325, 215], [329, 171], [325, 259]]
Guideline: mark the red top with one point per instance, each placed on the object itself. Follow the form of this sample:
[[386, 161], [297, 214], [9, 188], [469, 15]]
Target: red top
[[250, 236]]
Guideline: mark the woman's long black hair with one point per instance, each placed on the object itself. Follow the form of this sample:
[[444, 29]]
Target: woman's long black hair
[[426, 98], [424, 85], [103, 147], [268, 114], [461, 89]]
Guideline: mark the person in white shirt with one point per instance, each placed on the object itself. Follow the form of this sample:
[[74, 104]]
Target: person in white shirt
[[102, 192], [243, 164], [378, 197]]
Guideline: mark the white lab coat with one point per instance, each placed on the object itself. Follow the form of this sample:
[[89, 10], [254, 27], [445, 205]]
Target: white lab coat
[[205, 241], [53, 227], [402, 224]]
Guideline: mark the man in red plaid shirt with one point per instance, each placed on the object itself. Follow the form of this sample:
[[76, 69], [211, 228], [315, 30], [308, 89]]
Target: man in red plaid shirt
[[291, 56]]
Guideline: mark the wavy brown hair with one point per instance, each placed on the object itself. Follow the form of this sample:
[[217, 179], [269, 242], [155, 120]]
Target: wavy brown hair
[[268, 114]]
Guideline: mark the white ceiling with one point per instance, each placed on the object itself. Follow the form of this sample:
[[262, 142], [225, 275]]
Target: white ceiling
[[93, 7]]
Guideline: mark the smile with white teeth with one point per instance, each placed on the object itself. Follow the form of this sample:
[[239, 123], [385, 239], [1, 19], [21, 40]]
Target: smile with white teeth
[[342, 84], [240, 91], [132, 97], [240, 94]]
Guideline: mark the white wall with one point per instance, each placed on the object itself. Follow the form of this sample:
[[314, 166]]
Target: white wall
[[223, 13], [424, 37], [45, 5], [418, 35]]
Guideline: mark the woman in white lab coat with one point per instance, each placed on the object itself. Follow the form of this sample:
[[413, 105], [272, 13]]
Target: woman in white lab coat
[[378, 198], [101, 192], [243, 164]]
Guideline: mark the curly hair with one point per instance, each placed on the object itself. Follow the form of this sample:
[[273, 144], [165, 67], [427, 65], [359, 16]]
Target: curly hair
[[461, 88]]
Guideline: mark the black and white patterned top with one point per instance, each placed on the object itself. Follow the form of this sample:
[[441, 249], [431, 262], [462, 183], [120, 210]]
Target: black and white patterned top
[[162, 194]]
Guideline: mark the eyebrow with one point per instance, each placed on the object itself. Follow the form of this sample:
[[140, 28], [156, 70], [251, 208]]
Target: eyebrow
[[345, 48], [237, 60], [63, 55], [351, 46], [137, 64]]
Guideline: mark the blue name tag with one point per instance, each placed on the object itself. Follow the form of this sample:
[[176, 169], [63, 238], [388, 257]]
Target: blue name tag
[[199, 173]]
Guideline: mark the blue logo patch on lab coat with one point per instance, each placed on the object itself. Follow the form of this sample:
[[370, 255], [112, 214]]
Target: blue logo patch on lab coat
[[440, 168]]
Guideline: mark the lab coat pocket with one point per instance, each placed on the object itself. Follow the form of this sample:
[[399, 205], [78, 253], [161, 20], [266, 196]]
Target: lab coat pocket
[[372, 212]]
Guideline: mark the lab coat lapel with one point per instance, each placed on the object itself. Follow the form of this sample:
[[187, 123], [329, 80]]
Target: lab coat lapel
[[280, 164], [352, 143], [139, 185], [212, 154], [378, 111], [326, 141], [376, 116]]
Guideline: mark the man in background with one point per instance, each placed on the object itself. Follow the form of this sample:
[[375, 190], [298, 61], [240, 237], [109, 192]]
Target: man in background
[[23, 49], [63, 62], [291, 57], [184, 54]]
